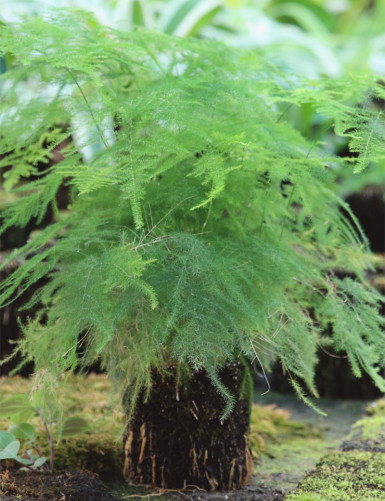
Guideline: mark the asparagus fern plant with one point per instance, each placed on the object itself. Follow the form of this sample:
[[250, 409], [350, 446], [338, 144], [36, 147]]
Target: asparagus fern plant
[[206, 228]]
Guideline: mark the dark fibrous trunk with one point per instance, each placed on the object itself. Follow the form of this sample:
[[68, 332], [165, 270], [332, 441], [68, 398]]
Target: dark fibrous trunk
[[177, 438]]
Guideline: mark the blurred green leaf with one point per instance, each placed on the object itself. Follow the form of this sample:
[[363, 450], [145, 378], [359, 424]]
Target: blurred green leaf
[[39, 462], [25, 461], [138, 15], [6, 438], [73, 426], [9, 446], [14, 405], [23, 416], [133, 13], [184, 17], [32, 455], [24, 431], [301, 15]]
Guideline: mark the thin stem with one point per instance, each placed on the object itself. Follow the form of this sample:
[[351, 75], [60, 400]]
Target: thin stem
[[89, 109], [284, 112], [164, 217], [50, 441], [46, 467], [208, 215], [260, 363], [331, 354], [263, 212]]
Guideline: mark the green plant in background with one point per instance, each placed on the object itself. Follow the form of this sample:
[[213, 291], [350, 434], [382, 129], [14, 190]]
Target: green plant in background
[[20, 410], [179, 17], [310, 37]]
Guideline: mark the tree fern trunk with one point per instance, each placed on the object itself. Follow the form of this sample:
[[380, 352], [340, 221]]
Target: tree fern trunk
[[177, 438]]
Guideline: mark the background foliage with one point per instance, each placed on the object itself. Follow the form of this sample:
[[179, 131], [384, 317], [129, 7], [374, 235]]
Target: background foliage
[[308, 37]]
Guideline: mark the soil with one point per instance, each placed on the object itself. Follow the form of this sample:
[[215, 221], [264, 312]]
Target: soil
[[248, 493], [57, 486], [371, 445]]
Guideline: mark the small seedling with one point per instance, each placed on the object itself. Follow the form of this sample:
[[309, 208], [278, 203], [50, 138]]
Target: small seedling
[[19, 443]]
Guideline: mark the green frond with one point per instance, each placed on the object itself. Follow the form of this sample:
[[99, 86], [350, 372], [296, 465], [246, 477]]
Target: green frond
[[202, 226]]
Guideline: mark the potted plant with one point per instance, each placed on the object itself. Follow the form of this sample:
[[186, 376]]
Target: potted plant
[[203, 230]]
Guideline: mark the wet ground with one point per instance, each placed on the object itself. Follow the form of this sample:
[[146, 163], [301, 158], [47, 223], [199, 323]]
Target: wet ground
[[293, 456]]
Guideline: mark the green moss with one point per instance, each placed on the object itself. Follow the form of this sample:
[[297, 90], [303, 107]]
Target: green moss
[[288, 460], [344, 476], [369, 431], [270, 425], [376, 408], [265, 422], [100, 450], [371, 428], [284, 448]]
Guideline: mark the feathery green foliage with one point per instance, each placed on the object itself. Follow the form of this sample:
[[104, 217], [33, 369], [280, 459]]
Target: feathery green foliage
[[205, 227]]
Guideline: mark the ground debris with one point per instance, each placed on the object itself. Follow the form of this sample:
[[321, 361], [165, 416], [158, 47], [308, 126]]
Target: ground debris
[[249, 493], [72, 485]]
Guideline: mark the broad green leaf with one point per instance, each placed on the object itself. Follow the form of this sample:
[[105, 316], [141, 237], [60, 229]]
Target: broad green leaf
[[24, 431], [302, 16], [184, 15], [134, 13], [24, 416], [24, 461], [6, 438], [39, 462], [74, 425], [10, 451], [14, 405], [138, 16]]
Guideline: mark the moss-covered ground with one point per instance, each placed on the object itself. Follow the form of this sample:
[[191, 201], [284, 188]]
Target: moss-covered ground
[[344, 476], [354, 472], [368, 433], [304, 439], [285, 449]]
